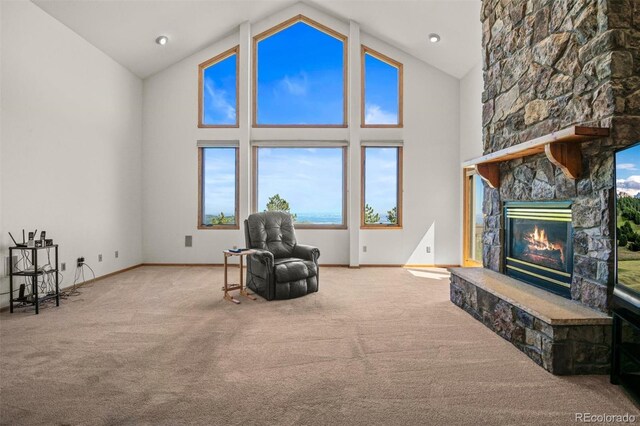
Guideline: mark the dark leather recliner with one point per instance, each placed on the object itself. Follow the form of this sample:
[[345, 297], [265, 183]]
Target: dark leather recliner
[[281, 268]]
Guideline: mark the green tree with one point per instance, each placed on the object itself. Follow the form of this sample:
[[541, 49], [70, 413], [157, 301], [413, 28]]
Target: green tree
[[221, 219], [370, 216], [279, 204], [392, 215], [622, 239], [629, 208]]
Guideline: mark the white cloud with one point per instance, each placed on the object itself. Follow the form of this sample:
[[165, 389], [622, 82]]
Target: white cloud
[[220, 179], [296, 85], [376, 115], [291, 172], [630, 185], [626, 166], [632, 181], [218, 101]]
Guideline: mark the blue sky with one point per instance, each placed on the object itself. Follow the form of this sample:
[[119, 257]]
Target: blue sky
[[310, 179], [219, 181], [478, 197], [300, 77], [381, 92], [381, 179], [628, 170], [300, 81], [219, 90]]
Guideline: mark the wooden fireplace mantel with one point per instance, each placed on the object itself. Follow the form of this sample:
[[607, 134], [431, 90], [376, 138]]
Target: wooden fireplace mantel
[[562, 149]]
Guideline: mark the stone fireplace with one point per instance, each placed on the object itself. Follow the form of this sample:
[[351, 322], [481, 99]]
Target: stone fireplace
[[550, 65], [539, 244]]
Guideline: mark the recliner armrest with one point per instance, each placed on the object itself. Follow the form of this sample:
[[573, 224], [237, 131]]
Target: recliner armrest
[[263, 256], [306, 252]]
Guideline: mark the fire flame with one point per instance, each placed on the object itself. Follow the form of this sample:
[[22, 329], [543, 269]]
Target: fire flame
[[539, 241]]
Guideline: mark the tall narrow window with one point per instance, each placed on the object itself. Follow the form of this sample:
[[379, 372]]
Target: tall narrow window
[[473, 218], [309, 183], [299, 76], [382, 90], [218, 185], [218, 90], [381, 187]]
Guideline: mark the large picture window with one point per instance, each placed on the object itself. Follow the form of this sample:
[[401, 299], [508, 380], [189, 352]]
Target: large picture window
[[218, 188], [381, 90], [218, 90], [627, 178], [299, 76], [309, 183], [381, 187], [473, 218]]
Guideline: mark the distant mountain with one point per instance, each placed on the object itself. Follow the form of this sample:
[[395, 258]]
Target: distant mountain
[[629, 186], [625, 194]]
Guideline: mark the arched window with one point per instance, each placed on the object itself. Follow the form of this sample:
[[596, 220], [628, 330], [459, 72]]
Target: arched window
[[382, 90], [299, 76], [218, 90]]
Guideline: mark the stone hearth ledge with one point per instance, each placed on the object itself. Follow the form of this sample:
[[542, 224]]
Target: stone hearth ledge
[[548, 307], [562, 336]]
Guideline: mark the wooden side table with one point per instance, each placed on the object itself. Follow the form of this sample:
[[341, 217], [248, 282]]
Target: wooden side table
[[231, 287]]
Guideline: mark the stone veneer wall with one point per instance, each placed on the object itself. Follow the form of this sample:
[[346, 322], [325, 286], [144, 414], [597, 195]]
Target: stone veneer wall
[[560, 349], [548, 65]]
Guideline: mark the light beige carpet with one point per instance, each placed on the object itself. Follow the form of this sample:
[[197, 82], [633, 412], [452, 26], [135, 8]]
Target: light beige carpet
[[158, 345]]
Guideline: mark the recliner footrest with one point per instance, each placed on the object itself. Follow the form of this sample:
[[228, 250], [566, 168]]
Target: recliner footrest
[[291, 269]]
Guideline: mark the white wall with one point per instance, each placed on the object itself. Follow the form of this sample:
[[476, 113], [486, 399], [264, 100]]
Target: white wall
[[431, 162], [71, 143], [431, 179], [170, 167], [471, 87]]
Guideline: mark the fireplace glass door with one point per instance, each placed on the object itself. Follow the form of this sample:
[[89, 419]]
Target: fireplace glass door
[[538, 239]]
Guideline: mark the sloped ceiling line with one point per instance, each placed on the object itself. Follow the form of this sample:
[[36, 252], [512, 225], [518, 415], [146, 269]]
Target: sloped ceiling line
[[126, 29]]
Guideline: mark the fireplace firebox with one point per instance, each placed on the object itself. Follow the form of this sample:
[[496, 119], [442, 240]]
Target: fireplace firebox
[[539, 244]]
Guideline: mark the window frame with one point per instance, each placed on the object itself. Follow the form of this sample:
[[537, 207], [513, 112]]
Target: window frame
[[399, 189], [254, 188], [206, 64], [364, 50], [201, 169], [468, 175], [254, 72]]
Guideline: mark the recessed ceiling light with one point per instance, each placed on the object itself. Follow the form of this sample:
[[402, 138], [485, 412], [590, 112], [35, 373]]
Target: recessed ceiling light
[[434, 38], [162, 40]]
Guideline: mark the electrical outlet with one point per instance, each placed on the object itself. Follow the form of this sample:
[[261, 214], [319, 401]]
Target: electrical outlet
[[116, 254], [80, 262], [63, 266], [99, 258], [364, 249], [188, 241], [428, 249]]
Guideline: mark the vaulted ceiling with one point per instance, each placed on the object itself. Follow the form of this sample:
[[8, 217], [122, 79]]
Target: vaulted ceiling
[[126, 29]]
